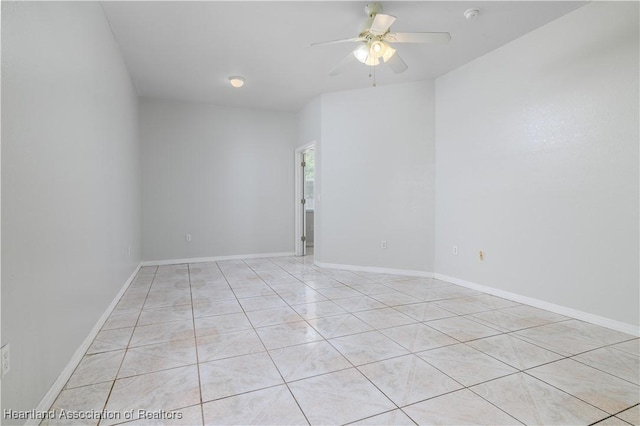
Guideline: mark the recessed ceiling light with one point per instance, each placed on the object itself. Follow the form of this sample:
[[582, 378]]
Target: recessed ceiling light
[[236, 81]]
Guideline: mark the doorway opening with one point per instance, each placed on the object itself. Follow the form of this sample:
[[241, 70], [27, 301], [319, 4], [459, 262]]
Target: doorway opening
[[305, 199]]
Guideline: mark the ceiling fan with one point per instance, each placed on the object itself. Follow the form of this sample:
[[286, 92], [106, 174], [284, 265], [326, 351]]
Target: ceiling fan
[[374, 41]]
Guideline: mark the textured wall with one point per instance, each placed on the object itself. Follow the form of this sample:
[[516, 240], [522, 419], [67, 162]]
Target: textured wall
[[70, 186], [222, 174], [537, 164], [377, 177]]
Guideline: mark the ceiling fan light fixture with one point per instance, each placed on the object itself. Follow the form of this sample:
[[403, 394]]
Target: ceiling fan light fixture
[[388, 53], [236, 81], [361, 53], [380, 51], [375, 40], [373, 53]]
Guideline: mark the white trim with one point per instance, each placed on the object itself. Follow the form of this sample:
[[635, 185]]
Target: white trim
[[63, 377], [215, 258], [404, 272], [558, 309]]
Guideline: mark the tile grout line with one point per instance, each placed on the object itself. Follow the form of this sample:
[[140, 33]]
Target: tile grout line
[[126, 349], [577, 397], [500, 332], [325, 339], [464, 387], [195, 341], [353, 366], [276, 366], [296, 270], [572, 357], [378, 330], [495, 405], [381, 414]]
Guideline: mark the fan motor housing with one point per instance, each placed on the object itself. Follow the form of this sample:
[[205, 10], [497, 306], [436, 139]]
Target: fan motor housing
[[371, 9]]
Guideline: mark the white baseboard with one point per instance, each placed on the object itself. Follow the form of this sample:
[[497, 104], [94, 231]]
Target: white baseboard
[[64, 376], [536, 303], [405, 272], [214, 259]]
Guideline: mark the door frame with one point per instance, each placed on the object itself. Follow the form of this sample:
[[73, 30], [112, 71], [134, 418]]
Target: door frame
[[299, 191]]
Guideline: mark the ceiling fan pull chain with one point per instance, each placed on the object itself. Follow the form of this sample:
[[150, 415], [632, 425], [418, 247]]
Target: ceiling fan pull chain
[[374, 76]]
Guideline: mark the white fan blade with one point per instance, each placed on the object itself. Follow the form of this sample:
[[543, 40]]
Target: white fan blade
[[342, 64], [343, 40], [381, 24], [417, 37], [396, 64]]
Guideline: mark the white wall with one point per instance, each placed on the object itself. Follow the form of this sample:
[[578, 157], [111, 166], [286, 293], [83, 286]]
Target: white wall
[[537, 164], [70, 186], [222, 174], [377, 177], [309, 123]]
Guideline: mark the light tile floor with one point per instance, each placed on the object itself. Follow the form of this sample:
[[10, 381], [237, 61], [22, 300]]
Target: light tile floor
[[280, 341]]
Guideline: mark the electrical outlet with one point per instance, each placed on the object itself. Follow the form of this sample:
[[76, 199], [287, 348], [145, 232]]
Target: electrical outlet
[[383, 244], [187, 238], [455, 249], [4, 354]]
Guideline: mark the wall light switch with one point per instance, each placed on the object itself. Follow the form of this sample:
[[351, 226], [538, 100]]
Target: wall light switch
[[384, 244], [4, 355], [187, 238]]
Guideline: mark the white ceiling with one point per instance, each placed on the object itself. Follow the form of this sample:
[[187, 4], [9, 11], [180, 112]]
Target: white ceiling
[[187, 50]]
